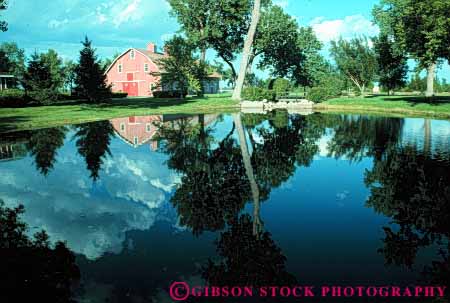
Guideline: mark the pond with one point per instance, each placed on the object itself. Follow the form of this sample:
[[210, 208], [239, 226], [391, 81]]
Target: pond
[[237, 199]]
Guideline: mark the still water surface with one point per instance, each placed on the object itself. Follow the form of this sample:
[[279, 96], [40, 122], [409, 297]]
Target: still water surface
[[245, 199]]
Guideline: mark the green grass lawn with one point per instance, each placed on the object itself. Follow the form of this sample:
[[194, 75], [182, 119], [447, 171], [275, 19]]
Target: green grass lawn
[[408, 105], [12, 119]]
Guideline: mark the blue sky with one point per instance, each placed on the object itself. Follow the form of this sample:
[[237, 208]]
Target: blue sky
[[117, 25]]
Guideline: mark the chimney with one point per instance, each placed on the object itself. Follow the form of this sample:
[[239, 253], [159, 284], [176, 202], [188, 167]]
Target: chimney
[[151, 47]]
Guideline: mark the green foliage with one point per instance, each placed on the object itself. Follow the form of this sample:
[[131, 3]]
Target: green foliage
[[319, 94], [313, 64], [40, 81], [3, 24], [417, 84], [276, 41], [32, 265], [90, 79], [392, 63], [420, 28], [13, 98], [12, 61], [220, 25], [169, 94], [69, 74], [281, 86], [285, 49], [356, 60], [181, 70], [258, 94], [119, 95]]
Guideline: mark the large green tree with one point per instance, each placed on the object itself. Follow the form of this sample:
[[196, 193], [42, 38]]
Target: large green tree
[[39, 82], [356, 60], [3, 24], [275, 41], [90, 79], [392, 64], [195, 19], [182, 71], [12, 60], [420, 28]]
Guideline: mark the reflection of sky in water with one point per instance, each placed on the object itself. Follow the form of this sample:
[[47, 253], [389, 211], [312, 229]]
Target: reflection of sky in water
[[92, 218], [318, 208]]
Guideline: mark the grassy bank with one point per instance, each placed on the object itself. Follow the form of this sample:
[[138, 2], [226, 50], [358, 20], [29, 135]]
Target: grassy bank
[[408, 105], [12, 119]]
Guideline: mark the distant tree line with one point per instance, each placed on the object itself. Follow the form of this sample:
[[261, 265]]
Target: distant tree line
[[45, 78]]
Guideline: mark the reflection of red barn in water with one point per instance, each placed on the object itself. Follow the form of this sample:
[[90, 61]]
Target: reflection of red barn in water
[[139, 130]]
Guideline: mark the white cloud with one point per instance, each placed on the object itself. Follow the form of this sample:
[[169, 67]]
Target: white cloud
[[347, 28], [127, 13], [55, 24]]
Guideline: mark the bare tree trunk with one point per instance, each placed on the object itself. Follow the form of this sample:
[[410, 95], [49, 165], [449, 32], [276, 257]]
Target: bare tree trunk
[[203, 54], [427, 136], [363, 89], [257, 223], [250, 63], [431, 71], [247, 48]]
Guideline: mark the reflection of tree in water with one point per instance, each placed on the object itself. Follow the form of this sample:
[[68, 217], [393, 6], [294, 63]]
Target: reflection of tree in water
[[216, 179], [357, 137], [414, 190], [247, 259], [32, 267], [213, 187], [282, 146], [93, 141], [43, 146]]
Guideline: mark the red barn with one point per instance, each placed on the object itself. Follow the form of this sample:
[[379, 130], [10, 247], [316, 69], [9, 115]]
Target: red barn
[[134, 72]]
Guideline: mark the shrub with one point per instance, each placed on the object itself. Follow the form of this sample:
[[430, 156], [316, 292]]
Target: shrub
[[168, 94], [281, 86], [13, 98], [319, 94], [258, 94], [119, 95]]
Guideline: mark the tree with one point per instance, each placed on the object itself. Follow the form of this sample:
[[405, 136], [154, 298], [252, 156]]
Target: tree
[[392, 64], [90, 79], [356, 60], [420, 28], [39, 80], [194, 17], [69, 73], [275, 41], [256, 13], [312, 65], [55, 65], [12, 60], [181, 70], [3, 24]]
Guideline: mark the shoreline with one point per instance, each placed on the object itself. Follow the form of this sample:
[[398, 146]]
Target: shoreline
[[19, 119]]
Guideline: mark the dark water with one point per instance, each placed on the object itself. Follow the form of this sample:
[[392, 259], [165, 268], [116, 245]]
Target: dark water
[[306, 200]]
